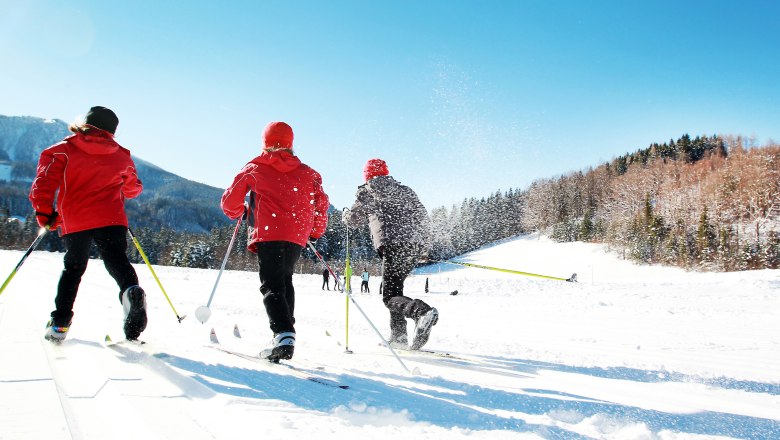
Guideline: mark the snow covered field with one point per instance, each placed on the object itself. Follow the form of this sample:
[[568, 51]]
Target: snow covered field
[[628, 352]]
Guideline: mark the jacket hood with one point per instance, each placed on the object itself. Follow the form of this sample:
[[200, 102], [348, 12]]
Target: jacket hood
[[96, 142], [281, 160], [381, 182]]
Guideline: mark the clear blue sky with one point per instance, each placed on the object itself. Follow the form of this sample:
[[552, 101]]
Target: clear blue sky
[[461, 98]]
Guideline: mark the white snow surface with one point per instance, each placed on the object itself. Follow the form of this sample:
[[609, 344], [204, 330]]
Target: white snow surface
[[627, 352]]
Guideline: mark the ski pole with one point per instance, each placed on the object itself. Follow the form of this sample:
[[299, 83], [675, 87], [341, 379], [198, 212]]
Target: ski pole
[[204, 312], [35, 243], [149, 265], [387, 344], [348, 290], [571, 279]]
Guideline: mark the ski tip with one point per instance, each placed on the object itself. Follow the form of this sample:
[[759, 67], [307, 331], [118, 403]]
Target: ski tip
[[213, 336], [236, 333], [108, 339]]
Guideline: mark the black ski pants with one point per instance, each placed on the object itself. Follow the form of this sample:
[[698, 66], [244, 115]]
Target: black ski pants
[[111, 244], [398, 261], [276, 264]]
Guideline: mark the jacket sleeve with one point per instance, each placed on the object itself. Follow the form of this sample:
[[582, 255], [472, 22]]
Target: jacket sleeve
[[48, 176], [358, 214], [321, 205], [131, 184], [233, 197]]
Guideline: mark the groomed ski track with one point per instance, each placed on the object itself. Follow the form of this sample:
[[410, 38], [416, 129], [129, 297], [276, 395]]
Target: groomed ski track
[[664, 358]]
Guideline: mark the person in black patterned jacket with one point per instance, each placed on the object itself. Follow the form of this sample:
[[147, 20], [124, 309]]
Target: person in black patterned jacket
[[401, 234]]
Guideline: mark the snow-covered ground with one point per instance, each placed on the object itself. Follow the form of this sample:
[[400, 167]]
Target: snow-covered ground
[[628, 352]]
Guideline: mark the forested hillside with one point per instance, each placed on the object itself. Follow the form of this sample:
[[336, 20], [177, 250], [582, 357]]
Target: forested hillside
[[705, 203]]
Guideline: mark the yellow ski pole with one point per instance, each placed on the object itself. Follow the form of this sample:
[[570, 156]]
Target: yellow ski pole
[[149, 265], [360, 309], [571, 279], [348, 290], [35, 243]]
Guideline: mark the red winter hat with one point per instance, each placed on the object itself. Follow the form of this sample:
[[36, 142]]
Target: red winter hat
[[375, 167], [278, 135]]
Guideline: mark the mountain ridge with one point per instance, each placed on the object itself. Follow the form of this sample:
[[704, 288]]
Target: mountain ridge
[[168, 200]]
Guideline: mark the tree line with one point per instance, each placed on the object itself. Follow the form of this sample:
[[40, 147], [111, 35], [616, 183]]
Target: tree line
[[706, 203]]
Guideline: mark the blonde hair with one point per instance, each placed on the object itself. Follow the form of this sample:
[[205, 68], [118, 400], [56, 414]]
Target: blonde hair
[[79, 126]]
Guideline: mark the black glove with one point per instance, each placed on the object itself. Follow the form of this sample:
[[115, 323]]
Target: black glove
[[48, 221], [381, 251], [246, 212]]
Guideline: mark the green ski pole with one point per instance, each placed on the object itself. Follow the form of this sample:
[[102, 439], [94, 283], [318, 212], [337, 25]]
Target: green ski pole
[[35, 243], [571, 279], [149, 265], [348, 290]]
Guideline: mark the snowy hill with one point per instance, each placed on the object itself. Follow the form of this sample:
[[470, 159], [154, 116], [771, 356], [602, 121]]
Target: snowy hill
[[177, 203], [628, 352]]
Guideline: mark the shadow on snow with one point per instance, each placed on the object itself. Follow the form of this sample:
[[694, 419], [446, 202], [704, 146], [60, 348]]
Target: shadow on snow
[[451, 403]]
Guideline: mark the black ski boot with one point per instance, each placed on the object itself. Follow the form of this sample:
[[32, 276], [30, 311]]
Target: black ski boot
[[134, 306]]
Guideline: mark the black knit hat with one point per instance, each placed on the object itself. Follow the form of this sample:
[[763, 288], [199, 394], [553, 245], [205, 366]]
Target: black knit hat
[[102, 118]]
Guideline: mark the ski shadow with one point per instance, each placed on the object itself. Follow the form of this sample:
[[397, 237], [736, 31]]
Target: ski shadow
[[702, 422], [451, 403], [354, 404], [625, 373]]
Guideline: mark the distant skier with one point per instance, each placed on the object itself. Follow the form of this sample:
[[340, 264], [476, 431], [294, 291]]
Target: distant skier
[[364, 281], [91, 176], [400, 231], [287, 206], [337, 285], [325, 279]]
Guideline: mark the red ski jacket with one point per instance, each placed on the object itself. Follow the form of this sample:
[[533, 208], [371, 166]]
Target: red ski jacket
[[94, 176], [286, 199]]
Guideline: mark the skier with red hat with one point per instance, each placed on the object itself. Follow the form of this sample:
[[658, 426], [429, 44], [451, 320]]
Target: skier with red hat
[[286, 207], [401, 234]]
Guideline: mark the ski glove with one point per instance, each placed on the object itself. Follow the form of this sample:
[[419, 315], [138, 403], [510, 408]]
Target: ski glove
[[381, 251], [48, 221]]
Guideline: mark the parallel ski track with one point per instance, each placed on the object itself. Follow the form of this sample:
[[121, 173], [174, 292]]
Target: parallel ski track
[[93, 388], [87, 392]]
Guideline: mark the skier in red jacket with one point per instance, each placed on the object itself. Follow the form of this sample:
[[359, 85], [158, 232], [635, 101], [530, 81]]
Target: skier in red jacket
[[91, 176], [287, 206]]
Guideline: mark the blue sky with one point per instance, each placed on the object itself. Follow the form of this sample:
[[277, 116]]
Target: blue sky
[[461, 98]]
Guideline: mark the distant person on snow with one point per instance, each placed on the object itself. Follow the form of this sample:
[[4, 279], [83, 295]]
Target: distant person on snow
[[401, 234], [364, 281], [326, 279], [287, 206], [92, 176]]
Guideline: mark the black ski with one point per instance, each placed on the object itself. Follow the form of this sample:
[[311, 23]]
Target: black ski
[[295, 370]]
